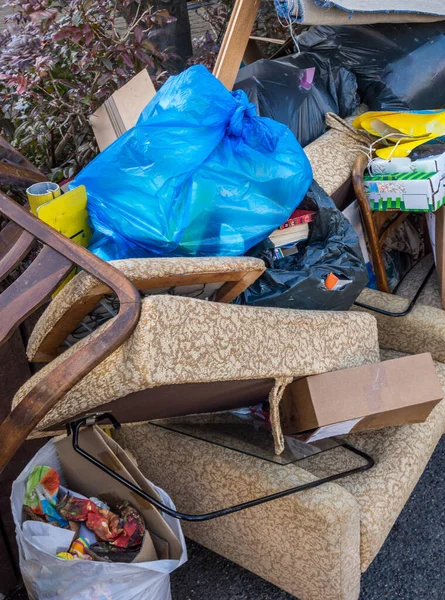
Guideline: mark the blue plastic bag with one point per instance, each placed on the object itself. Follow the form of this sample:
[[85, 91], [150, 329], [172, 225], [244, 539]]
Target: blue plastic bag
[[199, 175]]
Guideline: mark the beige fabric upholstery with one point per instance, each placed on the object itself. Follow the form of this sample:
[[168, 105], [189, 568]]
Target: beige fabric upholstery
[[182, 340], [422, 330], [306, 544], [308, 552], [430, 295], [401, 454], [313, 544], [135, 268], [333, 155]]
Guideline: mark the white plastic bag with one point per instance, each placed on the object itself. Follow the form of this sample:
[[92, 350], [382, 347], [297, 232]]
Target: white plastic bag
[[47, 577]]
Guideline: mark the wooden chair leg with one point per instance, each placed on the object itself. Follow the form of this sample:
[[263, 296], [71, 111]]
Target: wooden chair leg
[[370, 228], [235, 41]]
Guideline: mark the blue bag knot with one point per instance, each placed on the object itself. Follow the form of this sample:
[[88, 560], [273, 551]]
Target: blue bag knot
[[246, 124], [244, 109]]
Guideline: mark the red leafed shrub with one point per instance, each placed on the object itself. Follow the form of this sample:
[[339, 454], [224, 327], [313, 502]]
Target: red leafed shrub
[[217, 14], [59, 59]]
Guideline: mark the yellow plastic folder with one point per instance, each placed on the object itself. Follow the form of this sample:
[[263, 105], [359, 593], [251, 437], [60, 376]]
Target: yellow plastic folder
[[404, 130], [68, 214]]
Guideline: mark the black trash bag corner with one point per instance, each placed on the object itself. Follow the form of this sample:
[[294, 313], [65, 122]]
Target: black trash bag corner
[[298, 91], [298, 281], [399, 66]]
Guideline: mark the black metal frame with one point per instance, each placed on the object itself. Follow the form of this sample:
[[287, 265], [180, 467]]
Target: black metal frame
[[410, 306], [74, 427]]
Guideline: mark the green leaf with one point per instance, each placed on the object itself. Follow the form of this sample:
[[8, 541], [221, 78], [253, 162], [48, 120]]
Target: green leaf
[[107, 63]]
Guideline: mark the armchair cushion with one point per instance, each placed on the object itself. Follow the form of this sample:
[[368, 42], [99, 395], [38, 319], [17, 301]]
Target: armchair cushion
[[181, 340], [312, 546], [307, 544], [422, 330], [135, 269]]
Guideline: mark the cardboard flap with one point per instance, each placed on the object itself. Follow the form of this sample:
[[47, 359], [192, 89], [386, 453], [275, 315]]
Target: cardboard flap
[[121, 111], [160, 529]]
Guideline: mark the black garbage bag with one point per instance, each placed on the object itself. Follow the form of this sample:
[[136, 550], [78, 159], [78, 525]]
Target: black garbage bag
[[298, 91], [298, 281], [398, 66]]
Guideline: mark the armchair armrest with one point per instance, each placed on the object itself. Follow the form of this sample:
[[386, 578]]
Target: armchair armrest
[[310, 542], [28, 292], [422, 330]]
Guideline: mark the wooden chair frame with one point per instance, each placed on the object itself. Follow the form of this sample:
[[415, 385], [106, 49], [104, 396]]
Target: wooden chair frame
[[378, 224], [235, 41], [233, 283], [30, 291]]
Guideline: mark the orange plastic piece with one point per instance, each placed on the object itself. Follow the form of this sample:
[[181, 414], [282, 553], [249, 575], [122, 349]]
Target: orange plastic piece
[[331, 281]]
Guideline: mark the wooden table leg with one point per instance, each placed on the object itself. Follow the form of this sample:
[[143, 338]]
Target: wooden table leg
[[235, 41], [440, 249], [369, 224]]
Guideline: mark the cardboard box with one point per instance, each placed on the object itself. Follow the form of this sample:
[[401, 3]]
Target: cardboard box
[[430, 164], [121, 111], [418, 191], [373, 396]]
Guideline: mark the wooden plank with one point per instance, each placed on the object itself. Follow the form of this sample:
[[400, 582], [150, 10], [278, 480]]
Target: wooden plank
[[232, 289], [11, 155], [440, 249], [14, 371], [368, 222], [235, 41], [8, 237], [12, 174], [389, 228], [15, 243], [31, 289]]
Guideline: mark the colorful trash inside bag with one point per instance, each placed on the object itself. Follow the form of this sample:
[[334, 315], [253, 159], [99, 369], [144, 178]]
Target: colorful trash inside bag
[[49, 577], [200, 174]]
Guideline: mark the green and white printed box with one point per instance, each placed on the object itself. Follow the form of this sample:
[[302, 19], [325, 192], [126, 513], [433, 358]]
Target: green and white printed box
[[415, 191]]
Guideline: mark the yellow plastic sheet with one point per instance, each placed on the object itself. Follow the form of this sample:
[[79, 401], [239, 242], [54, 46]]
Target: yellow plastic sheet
[[68, 214], [404, 131]]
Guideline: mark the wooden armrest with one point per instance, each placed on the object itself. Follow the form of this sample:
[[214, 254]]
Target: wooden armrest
[[15, 169], [15, 243], [29, 292]]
